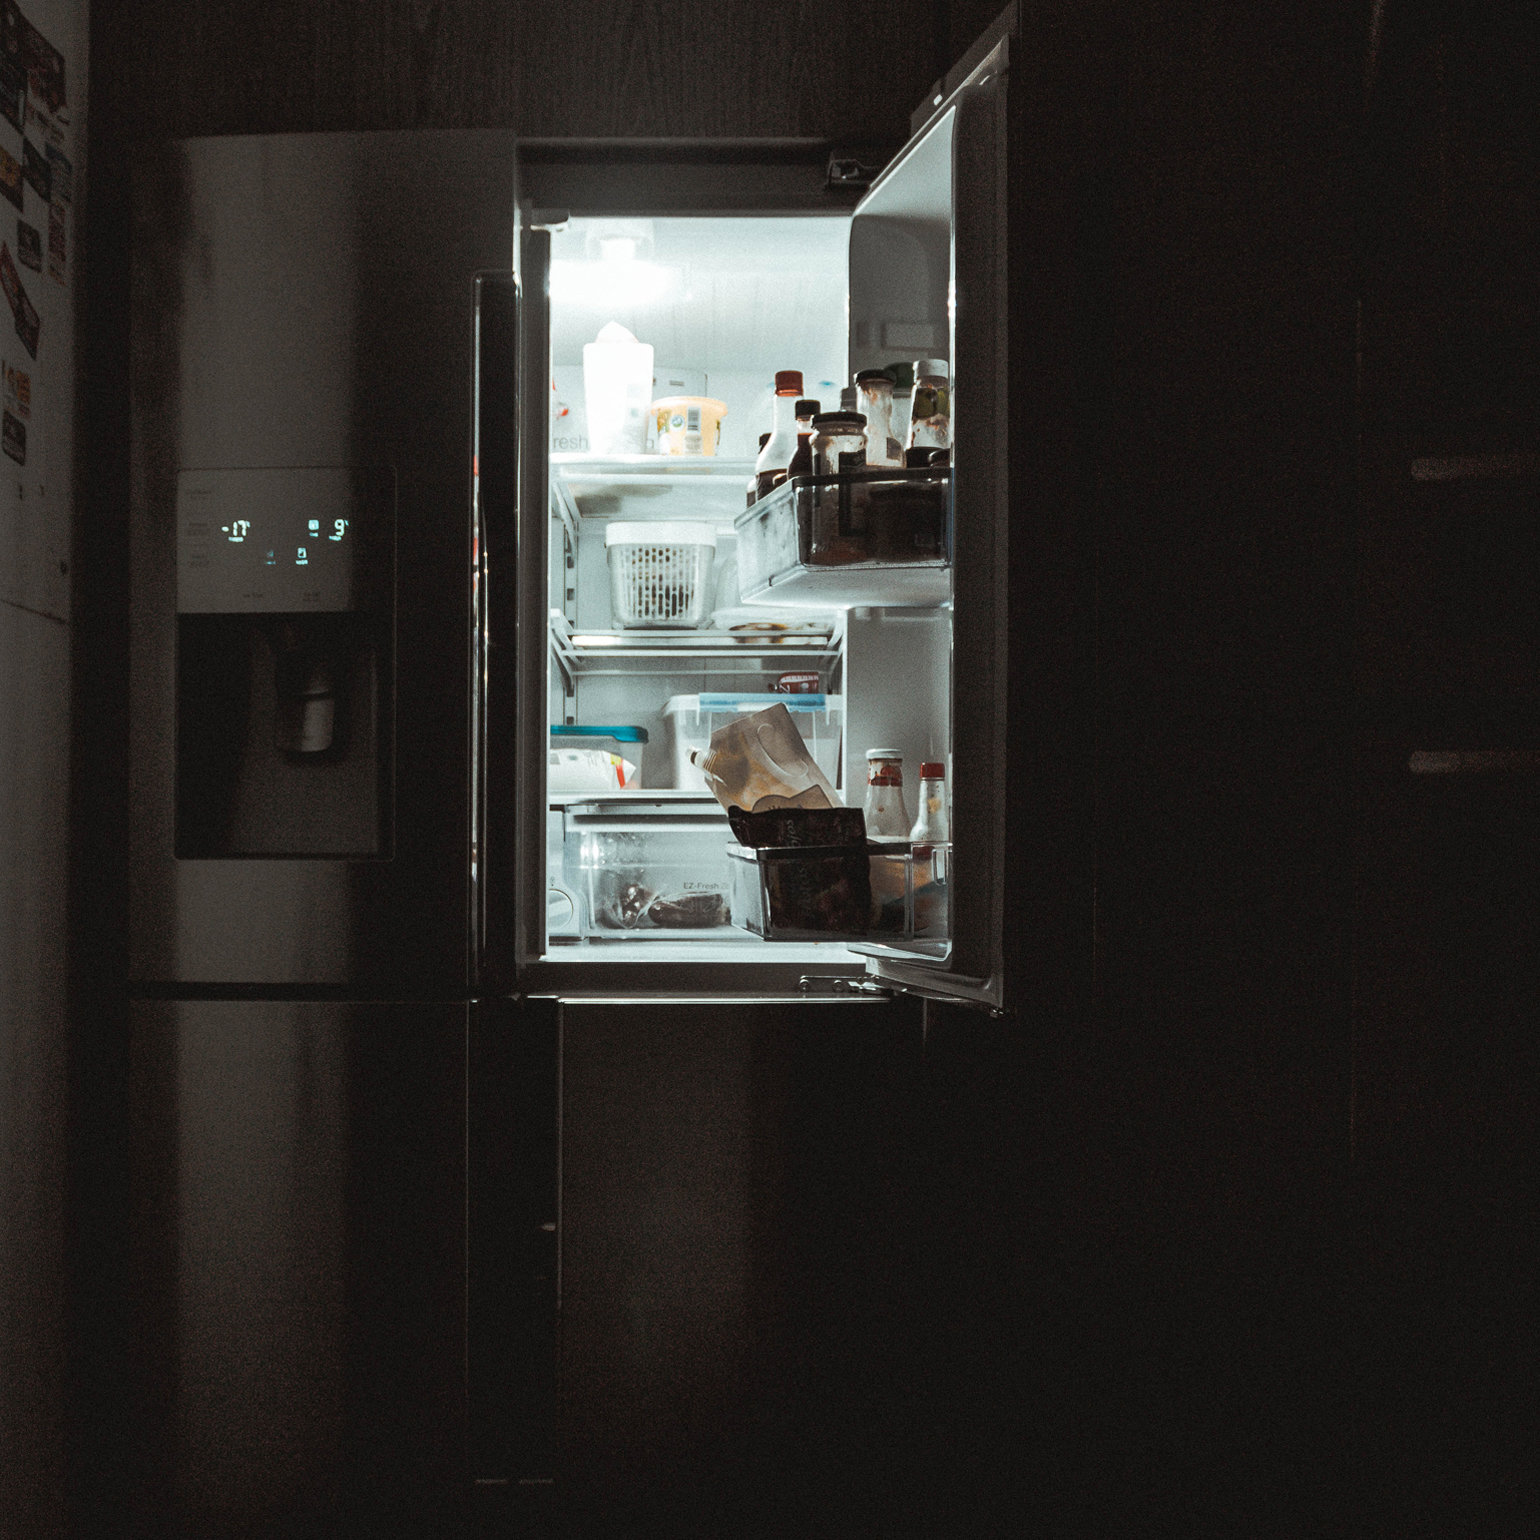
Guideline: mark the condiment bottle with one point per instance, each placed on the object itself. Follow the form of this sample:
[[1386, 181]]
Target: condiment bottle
[[764, 438], [928, 850], [930, 416], [886, 816], [770, 467], [874, 393], [839, 443], [799, 683], [930, 825], [801, 463]]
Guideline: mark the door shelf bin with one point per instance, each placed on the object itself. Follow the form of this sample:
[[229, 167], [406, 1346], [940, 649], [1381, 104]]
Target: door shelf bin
[[877, 537], [829, 892]]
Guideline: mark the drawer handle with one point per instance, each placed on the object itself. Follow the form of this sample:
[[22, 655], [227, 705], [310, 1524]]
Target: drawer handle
[[1471, 761]]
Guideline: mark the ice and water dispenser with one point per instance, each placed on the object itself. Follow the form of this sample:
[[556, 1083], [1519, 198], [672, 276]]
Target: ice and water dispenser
[[284, 662]]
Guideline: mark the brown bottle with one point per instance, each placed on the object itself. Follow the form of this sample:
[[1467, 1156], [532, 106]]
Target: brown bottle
[[801, 463]]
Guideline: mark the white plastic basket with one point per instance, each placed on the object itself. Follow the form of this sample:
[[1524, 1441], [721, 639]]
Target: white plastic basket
[[660, 574]]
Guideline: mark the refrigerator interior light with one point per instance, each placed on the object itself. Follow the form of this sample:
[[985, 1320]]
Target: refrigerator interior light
[[598, 641], [611, 280]]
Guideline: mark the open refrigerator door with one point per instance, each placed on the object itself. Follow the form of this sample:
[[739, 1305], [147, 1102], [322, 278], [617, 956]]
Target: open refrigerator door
[[668, 592]]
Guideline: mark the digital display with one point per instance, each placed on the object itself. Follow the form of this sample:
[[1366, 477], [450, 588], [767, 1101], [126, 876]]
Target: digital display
[[300, 546], [282, 540]]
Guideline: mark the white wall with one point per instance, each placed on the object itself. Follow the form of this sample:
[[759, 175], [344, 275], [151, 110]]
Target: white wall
[[36, 509]]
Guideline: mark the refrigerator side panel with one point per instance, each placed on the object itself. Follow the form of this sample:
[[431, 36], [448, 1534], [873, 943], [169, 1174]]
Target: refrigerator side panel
[[301, 495]]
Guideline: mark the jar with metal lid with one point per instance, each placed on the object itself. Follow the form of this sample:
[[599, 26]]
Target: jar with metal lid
[[930, 415], [874, 390], [837, 526], [839, 443]]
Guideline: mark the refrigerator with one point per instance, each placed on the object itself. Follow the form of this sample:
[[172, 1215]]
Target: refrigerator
[[374, 594]]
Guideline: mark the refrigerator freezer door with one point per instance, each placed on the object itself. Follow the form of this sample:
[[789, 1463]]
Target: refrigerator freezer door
[[297, 1270], [928, 277], [301, 495]]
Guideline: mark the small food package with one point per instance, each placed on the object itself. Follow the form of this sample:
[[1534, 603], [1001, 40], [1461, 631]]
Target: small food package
[[759, 763], [590, 770]]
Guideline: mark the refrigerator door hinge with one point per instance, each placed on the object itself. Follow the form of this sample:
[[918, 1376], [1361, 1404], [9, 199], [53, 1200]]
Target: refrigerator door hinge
[[821, 986], [846, 170]]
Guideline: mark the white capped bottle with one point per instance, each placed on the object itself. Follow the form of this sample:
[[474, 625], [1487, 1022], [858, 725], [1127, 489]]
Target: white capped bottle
[[886, 816]]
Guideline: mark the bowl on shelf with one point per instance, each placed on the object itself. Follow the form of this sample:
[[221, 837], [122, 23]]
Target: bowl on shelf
[[756, 623]]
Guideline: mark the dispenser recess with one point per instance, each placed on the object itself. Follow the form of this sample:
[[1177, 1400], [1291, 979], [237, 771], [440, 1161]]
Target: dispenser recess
[[285, 662]]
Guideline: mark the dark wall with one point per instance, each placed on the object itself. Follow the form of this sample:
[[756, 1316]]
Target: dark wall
[[1138, 1183], [630, 68], [1445, 1103]]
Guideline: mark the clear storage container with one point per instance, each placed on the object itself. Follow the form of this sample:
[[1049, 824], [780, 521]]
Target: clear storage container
[[659, 873], [866, 537], [628, 742], [690, 720], [839, 892], [660, 574]]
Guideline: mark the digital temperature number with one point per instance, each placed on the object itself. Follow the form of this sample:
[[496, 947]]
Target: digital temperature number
[[238, 531]]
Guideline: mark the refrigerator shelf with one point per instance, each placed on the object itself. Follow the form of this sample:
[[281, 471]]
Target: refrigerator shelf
[[645, 487], [582, 653]]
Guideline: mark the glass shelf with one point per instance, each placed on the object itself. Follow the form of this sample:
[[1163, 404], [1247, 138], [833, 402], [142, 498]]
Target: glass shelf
[[649, 652], [707, 487]]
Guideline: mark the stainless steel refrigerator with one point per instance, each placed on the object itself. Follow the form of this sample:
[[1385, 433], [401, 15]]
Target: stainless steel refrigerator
[[370, 936]]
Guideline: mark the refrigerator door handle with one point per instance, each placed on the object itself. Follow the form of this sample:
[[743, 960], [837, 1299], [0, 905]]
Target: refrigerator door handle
[[528, 666], [495, 472]]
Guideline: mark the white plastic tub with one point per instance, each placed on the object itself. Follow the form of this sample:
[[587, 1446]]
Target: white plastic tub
[[690, 720], [571, 746], [660, 574]]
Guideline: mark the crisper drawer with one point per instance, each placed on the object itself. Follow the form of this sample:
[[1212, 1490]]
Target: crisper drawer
[[651, 871], [867, 537]]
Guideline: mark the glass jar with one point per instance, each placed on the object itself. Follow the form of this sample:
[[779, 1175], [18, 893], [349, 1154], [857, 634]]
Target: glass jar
[[837, 524], [930, 415], [886, 816], [839, 443], [874, 395]]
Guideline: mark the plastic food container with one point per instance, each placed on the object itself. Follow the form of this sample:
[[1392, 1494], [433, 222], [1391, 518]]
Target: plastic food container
[[688, 425], [823, 893], [642, 875], [628, 742], [660, 574], [690, 720], [865, 537], [617, 386]]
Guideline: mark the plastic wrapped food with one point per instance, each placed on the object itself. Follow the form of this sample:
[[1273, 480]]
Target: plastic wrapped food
[[761, 762]]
